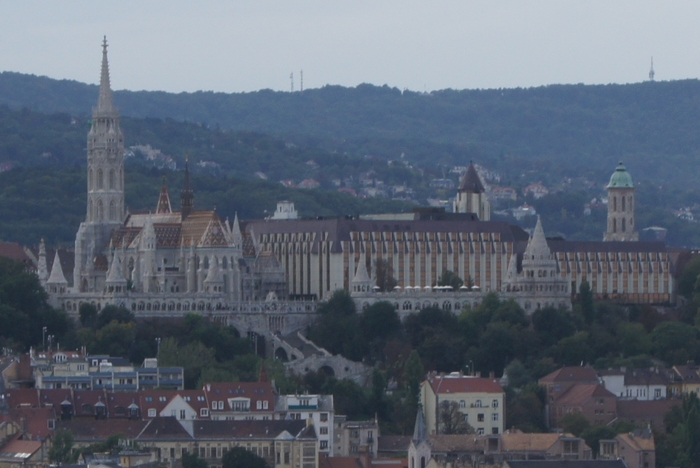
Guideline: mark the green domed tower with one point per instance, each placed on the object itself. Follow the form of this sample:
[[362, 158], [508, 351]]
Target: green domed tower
[[621, 207]]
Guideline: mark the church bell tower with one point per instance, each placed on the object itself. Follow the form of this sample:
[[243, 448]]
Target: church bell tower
[[105, 183], [621, 226]]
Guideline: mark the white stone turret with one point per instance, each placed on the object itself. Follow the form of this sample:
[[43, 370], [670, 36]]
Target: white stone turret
[[539, 282], [56, 282], [361, 282], [116, 282], [214, 281]]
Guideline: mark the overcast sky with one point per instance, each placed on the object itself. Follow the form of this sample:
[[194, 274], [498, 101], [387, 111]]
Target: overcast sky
[[241, 45]]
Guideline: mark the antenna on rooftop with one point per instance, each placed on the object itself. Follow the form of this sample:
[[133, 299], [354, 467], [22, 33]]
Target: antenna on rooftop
[[651, 70], [301, 80], [291, 78]]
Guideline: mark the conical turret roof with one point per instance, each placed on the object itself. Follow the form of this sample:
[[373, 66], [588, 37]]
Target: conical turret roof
[[419, 430], [361, 275], [114, 275], [470, 181], [537, 247], [56, 276]]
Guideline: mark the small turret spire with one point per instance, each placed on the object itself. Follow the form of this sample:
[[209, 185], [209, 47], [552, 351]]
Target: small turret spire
[[104, 103], [164, 200]]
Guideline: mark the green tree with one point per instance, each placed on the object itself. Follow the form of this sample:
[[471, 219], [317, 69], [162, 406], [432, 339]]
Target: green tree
[[585, 301], [575, 423], [193, 357], [88, 315], [191, 460], [239, 457], [666, 338], [61, 447], [451, 420], [517, 373], [450, 278], [337, 327], [634, 339], [413, 375], [114, 313], [593, 436], [384, 275]]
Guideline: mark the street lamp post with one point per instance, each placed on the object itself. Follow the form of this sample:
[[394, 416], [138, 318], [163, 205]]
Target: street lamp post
[[43, 338]]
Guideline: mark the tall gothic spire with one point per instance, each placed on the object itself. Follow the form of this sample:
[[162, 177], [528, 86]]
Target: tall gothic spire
[[104, 103]]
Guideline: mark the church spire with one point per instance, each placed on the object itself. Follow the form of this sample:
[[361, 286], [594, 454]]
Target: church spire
[[104, 103], [187, 196], [164, 200], [419, 429]]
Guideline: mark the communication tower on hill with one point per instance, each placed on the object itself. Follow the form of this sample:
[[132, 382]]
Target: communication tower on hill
[[291, 78], [301, 80], [651, 70]]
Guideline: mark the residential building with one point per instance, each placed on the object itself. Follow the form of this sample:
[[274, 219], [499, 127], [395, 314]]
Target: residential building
[[593, 401], [352, 437], [316, 408], [516, 445], [561, 380], [637, 449], [479, 401], [71, 369], [637, 384]]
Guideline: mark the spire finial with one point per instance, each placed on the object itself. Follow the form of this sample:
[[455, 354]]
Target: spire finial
[[104, 103]]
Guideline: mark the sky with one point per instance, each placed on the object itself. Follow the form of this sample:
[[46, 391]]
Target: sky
[[247, 45]]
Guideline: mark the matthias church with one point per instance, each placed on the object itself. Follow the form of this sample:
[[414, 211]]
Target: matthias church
[[169, 262]]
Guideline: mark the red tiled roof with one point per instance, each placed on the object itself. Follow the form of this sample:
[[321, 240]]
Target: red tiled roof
[[22, 397], [256, 391], [338, 462], [571, 374], [36, 420], [93, 430], [464, 384], [14, 251], [640, 409], [16, 446], [580, 393]]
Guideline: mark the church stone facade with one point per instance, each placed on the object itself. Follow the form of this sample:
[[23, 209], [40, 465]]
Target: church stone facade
[[164, 262]]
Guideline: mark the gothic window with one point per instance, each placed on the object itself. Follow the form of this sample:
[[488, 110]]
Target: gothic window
[[614, 203], [623, 223], [111, 179], [99, 179], [614, 225], [224, 263], [623, 204], [112, 211], [100, 210]]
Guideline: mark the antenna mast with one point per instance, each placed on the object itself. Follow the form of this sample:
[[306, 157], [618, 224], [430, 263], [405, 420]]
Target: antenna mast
[[301, 79], [651, 70], [291, 78]]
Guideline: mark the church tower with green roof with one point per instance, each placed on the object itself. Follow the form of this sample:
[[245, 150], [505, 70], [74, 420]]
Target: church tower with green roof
[[621, 226]]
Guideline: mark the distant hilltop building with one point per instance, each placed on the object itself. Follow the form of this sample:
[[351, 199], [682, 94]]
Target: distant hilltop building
[[169, 262]]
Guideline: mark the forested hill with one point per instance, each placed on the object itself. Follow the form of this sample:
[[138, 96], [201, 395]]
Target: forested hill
[[652, 126]]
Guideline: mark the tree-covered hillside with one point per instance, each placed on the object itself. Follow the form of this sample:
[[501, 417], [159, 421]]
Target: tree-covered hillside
[[555, 130], [50, 202]]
